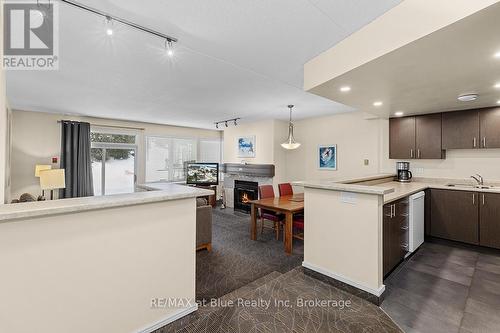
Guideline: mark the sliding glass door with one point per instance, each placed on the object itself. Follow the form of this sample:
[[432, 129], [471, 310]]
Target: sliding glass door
[[114, 164]]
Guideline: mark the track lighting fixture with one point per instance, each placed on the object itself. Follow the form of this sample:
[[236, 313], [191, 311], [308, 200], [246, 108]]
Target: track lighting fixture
[[225, 123], [110, 19]]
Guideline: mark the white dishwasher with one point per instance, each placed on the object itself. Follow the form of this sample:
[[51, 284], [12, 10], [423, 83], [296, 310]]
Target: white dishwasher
[[416, 221]]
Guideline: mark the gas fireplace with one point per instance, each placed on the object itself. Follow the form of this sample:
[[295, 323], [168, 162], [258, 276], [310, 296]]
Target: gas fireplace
[[244, 192]]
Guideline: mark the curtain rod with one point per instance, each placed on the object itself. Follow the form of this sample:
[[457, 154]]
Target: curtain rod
[[110, 126]]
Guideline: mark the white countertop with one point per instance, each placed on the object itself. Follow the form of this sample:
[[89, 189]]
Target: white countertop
[[393, 190], [402, 190], [158, 192], [346, 185]]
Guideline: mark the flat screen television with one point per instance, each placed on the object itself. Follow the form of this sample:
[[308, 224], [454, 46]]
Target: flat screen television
[[202, 174]]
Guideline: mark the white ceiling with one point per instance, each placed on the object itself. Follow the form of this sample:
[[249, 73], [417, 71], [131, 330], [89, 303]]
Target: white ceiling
[[429, 74], [234, 58]]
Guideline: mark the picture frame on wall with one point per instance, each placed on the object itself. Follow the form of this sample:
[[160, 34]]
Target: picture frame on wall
[[327, 157], [246, 146]]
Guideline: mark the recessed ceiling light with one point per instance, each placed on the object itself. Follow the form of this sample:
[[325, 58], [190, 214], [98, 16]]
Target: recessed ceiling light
[[467, 97], [498, 102], [378, 104], [497, 85], [345, 89], [399, 113], [497, 55]]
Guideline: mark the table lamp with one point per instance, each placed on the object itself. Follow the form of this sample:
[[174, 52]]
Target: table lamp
[[38, 169], [52, 179]]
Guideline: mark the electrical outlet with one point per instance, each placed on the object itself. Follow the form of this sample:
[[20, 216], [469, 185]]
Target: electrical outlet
[[367, 162]]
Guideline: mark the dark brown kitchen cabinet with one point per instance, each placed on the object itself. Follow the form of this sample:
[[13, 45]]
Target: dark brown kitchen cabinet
[[428, 137], [395, 234], [402, 138], [455, 215], [489, 130], [415, 137], [489, 221], [461, 129]]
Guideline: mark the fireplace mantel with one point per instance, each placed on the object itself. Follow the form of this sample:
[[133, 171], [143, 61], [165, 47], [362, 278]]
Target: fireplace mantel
[[256, 170]]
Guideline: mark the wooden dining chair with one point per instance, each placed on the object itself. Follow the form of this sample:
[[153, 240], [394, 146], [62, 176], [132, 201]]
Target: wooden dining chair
[[285, 189], [298, 225], [265, 192]]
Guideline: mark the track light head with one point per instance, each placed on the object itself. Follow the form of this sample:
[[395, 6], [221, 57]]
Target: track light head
[[170, 48], [216, 125], [236, 122], [109, 26], [227, 124]]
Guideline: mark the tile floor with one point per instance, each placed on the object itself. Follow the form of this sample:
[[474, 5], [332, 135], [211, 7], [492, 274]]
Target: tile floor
[[446, 287]]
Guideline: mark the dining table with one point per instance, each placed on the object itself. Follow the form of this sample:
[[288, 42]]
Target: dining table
[[287, 205]]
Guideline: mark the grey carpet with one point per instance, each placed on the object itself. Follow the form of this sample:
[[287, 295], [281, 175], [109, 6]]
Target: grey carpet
[[239, 269], [236, 260]]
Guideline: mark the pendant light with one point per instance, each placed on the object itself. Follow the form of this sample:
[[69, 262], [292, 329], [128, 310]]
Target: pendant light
[[290, 143]]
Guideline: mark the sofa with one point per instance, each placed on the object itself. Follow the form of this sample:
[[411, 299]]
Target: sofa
[[203, 225]]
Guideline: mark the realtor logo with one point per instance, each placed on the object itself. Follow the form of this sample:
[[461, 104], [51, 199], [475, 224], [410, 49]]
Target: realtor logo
[[30, 35]]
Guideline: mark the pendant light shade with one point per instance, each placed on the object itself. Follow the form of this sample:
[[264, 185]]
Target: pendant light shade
[[290, 143]]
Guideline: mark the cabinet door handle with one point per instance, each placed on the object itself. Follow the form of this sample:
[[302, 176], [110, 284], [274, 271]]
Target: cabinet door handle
[[411, 153], [418, 153], [473, 199], [474, 142], [483, 199], [484, 142], [394, 209]]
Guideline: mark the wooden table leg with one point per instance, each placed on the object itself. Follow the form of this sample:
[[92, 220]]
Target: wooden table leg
[[288, 232], [253, 223]]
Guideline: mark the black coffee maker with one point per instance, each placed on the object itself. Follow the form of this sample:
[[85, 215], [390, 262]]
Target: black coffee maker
[[403, 172]]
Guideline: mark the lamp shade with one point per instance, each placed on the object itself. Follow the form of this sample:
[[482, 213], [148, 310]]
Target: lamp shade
[[41, 167], [52, 179]]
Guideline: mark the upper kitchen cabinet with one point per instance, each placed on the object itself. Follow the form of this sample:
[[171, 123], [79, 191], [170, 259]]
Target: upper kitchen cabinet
[[428, 137], [489, 120], [415, 137], [461, 130], [402, 138]]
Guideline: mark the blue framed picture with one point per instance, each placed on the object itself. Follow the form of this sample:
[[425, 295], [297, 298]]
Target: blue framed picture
[[246, 146], [327, 157]]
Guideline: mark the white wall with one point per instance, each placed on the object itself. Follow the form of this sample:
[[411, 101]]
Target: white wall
[[97, 271], [36, 137], [3, 118]]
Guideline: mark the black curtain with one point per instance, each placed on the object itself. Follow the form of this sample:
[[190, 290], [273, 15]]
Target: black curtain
[[75, 159]]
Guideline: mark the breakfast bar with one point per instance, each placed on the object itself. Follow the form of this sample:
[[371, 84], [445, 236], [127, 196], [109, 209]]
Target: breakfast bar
[[105, 258]]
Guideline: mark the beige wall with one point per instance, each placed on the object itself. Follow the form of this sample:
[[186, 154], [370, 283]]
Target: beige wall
[[329, 234], [36, 138], [269, 135], [97, 271], [3, 119], [356, 140]]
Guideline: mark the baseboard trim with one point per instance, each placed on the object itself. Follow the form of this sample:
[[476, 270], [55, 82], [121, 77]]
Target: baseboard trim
[[376, 292], [170, 319]]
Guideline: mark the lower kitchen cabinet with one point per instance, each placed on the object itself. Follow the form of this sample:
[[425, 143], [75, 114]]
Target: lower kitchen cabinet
[[489, 221], [455, 215], [395, 234]]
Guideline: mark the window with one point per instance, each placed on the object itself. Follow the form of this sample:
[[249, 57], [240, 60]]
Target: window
[[210, 151], [113, 158], [166, 158]]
